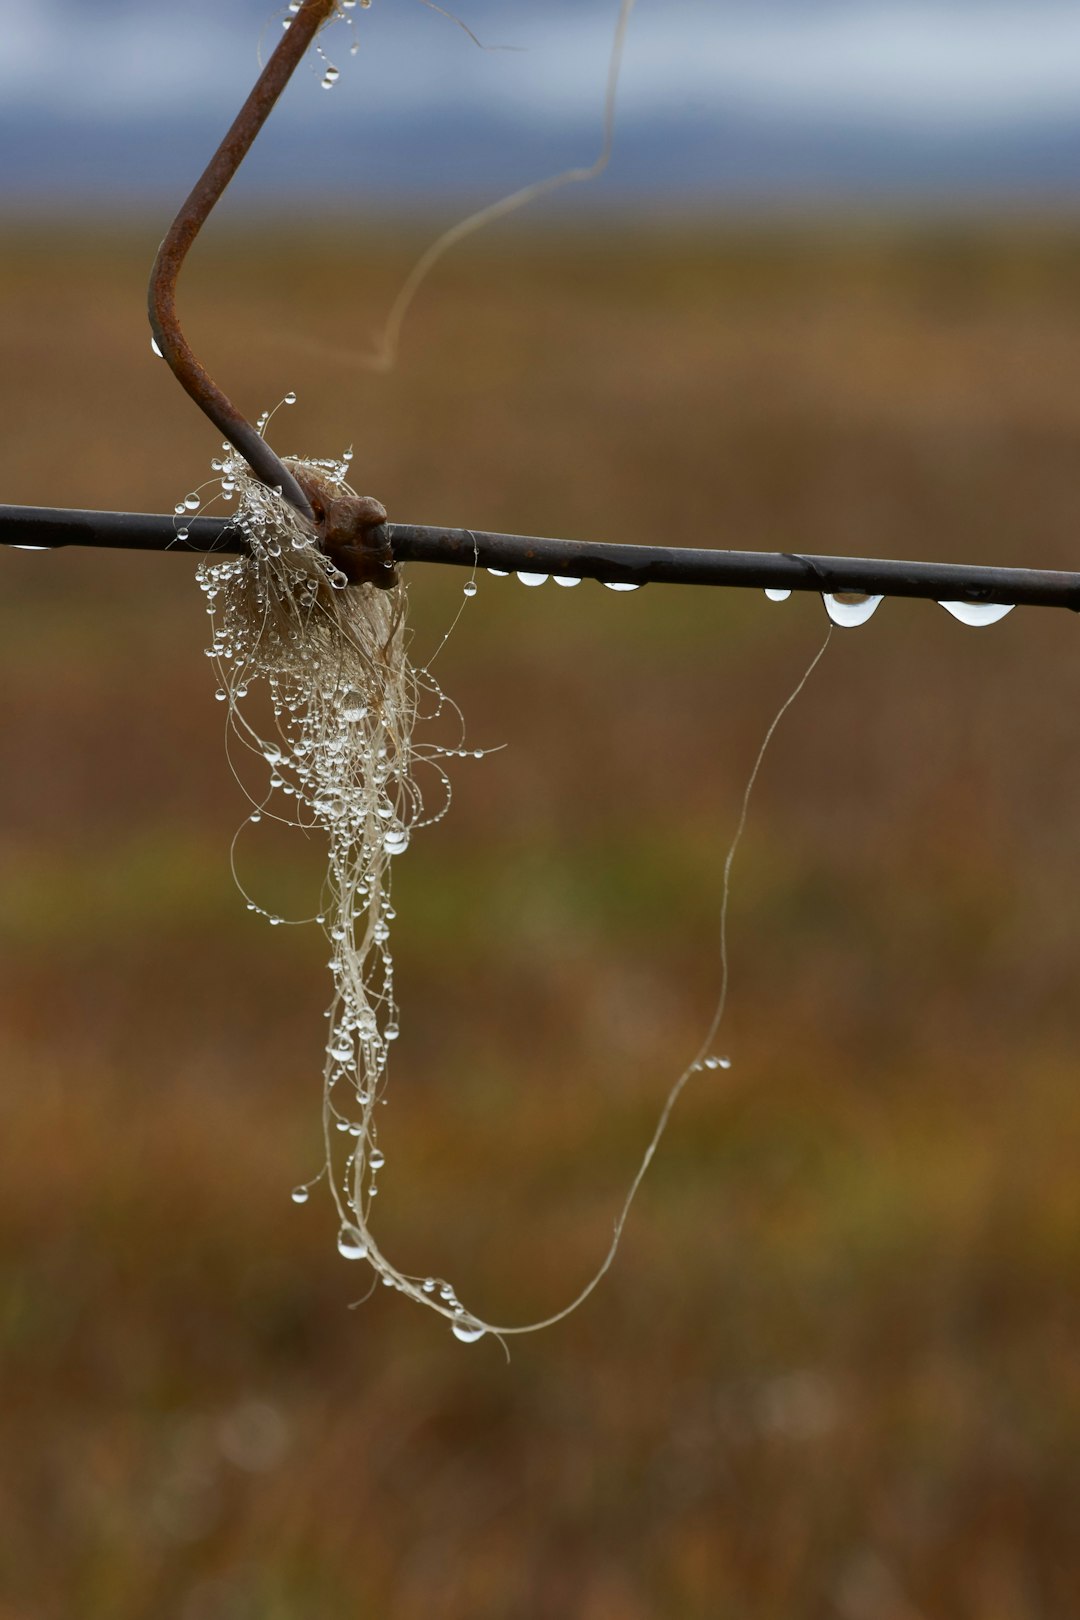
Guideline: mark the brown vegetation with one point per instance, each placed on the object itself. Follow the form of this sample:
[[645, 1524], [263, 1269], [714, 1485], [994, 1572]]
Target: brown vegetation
[[834, 1372]]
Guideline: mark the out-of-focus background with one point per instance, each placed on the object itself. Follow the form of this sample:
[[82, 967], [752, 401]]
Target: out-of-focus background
[[828, 298]]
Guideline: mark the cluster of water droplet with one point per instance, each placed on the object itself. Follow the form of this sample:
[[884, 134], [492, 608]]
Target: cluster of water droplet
[[342, 8], [568, 580], [851, 608], [342, 761]]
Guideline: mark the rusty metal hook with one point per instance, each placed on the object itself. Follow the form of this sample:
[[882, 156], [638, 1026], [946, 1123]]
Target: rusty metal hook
[[164, 321]]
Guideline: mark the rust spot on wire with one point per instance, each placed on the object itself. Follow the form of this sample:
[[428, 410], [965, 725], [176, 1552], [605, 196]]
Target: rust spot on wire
[[352, 530], [192, 376]]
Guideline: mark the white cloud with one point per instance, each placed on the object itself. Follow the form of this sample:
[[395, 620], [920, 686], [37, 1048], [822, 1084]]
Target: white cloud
[[960, 64]]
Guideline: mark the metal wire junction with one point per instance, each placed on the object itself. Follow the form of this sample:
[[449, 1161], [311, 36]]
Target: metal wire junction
[[50, 528]]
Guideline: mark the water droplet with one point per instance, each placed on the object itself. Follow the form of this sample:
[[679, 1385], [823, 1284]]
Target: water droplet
[[620, 585], [31, 548], [978, 613], [353, 707], [290, 398], [776, 596], [192, 502], [499, 573], [330, 78], [182, 534], [329, 804], [717, 1063], [470, 588], [849, 608], [391, 1032], [565, 579], [396, 841], [428, 1285], [256, 815], [467, 1329], [376, 1158], [531, 579], [155, 349], [299, 1195], [351, 1244]]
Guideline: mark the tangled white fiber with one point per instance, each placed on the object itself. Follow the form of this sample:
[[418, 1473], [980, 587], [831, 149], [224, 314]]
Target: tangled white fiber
[[345, 699]]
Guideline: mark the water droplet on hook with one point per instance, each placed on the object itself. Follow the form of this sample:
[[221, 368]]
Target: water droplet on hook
[[155, 349], [299, 1195], [351, 1244], [849, 608], [25, 547], [977, 613], [499, 573], [467, 1329], [775, 595], [620, 585], [531, 579], [565, 579]]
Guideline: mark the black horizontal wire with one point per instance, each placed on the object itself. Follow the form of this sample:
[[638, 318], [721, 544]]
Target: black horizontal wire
[[50, 528]]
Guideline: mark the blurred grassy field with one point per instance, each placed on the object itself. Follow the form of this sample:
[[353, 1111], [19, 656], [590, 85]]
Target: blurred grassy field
[[834, 1373]]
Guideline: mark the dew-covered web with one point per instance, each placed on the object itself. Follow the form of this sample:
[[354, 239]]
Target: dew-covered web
[[344, 699], [343, 760]]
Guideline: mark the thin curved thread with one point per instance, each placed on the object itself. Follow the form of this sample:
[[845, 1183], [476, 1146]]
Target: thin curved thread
[[465, 29], [697, 1063], [385, 354], [164, 320]]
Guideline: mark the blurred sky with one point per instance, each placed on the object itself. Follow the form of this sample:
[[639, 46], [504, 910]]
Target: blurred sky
[[722, 101]]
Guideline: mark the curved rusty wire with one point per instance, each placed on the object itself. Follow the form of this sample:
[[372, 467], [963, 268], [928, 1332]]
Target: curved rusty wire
[[164, 321]]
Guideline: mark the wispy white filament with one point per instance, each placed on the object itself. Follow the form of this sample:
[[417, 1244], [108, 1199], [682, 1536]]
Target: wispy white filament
[[343, 761]]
